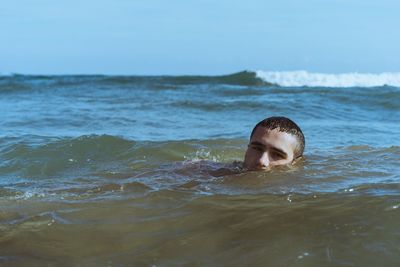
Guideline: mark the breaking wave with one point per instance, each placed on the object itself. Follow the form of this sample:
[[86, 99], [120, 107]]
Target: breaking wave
[[12, 82], [304, 78]]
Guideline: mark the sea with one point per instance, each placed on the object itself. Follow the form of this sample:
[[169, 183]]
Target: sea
[[100, 170]]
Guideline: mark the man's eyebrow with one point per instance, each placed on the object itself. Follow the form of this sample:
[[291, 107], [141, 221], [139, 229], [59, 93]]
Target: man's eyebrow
[[255, 143], [278, 150]]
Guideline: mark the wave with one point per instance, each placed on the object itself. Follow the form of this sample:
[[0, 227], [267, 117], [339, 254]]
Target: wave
[[240, 78], [304, 78], [243, 78], [91, 153], [103, 165]]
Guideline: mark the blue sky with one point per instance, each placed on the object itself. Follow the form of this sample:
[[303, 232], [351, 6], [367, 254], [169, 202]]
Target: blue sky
[[198, 37]]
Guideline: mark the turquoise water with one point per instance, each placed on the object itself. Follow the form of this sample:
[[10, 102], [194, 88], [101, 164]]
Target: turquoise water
[[150, 167]]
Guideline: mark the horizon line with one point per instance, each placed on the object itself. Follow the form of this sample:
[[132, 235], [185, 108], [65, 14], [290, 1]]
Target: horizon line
[[193, 74]]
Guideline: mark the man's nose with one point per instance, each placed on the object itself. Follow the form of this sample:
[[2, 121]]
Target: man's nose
[[263, 162]]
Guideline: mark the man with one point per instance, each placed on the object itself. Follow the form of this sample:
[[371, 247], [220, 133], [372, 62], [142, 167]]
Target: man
[[274, 141]]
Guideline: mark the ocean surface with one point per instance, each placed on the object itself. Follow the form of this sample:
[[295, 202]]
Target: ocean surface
[[145, 171]]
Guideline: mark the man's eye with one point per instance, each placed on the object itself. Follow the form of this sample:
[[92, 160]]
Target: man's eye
[[277, 156]]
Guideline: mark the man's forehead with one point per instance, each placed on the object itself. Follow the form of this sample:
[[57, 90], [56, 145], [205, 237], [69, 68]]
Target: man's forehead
[[275, 135]]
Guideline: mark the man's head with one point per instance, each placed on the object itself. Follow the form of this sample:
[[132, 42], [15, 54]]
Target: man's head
[[274, 141]]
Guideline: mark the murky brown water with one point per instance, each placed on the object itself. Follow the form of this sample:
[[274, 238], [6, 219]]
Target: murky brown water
[[179, 228]]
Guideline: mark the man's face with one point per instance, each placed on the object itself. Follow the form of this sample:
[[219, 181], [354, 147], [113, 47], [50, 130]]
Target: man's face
[[269, 148]]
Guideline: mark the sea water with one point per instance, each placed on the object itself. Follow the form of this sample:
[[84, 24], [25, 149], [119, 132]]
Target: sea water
[[145, 171]]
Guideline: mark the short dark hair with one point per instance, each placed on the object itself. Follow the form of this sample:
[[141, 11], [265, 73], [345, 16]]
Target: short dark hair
[[286, 125]]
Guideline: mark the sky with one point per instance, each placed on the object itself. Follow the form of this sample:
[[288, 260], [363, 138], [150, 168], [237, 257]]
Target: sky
[[206, 37]]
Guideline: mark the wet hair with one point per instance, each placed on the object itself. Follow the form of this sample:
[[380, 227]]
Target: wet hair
[[286, 125]]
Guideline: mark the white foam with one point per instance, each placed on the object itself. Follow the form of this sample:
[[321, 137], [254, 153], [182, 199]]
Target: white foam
[[304, 78]]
